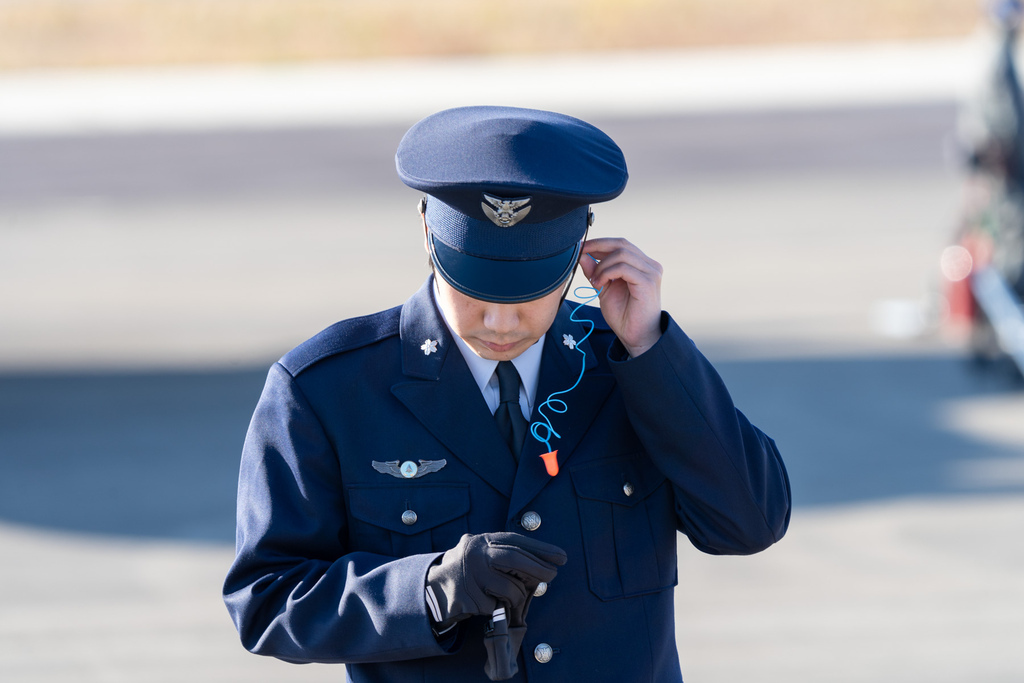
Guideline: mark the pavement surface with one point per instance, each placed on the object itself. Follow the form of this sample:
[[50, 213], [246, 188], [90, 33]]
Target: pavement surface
[[152, 269]]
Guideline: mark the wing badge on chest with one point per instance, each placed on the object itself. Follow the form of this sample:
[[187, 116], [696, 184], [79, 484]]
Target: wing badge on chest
[[408, 469]]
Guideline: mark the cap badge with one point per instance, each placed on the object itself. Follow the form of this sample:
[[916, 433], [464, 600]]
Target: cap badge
[[408, 469], [505, 212], [428, 347]]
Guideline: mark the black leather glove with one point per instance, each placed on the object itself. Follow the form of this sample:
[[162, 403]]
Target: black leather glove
[[487, 571], [495, 575]]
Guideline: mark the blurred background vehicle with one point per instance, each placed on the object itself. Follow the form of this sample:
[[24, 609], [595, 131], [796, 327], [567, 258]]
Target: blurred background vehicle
[[984, 268]]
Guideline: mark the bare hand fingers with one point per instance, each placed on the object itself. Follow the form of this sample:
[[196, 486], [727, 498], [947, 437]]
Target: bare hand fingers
[[625, 262]]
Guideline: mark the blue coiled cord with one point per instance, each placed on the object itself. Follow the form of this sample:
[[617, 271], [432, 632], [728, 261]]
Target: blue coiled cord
[[556, 405]]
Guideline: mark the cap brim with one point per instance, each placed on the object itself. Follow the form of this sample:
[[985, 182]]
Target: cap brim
[[500, 281]]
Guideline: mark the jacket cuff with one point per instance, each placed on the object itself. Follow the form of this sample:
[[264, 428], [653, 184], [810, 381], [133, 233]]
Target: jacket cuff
[[617, 353]]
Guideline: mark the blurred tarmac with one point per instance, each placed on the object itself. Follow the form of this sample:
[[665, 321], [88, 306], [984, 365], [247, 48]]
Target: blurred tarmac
[[165, 235]]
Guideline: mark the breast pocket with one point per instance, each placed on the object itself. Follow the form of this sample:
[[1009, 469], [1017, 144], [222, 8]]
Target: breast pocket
[[628, 525], [402, 520]]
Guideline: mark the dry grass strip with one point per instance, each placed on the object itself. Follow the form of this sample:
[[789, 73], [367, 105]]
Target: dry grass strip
[[59, 33]]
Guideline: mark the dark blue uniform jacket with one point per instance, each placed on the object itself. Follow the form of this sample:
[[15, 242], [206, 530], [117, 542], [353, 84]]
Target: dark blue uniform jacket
[[327, 571]]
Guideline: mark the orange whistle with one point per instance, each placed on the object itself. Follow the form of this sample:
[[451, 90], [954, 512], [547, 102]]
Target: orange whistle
[[551, 462]]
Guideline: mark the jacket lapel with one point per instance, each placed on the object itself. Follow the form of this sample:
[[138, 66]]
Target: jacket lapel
[[445, 398], [559, 370]]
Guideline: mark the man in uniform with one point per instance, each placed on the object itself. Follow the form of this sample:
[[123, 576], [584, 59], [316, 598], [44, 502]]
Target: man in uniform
[[395, 512]]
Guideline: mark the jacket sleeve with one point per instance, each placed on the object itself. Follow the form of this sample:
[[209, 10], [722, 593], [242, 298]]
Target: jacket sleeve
[[294, 591], [732, 490]]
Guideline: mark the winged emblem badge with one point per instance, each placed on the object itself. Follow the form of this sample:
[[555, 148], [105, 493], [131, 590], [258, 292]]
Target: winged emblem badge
[[408, 469], [505, 212]]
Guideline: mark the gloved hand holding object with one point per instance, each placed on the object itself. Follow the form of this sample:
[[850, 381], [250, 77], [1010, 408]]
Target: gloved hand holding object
[[492, 574]]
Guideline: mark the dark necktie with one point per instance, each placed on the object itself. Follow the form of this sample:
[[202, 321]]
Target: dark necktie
[[509, 415]]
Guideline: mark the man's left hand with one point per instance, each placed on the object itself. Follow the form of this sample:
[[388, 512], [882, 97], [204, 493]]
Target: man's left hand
[[631, 296]]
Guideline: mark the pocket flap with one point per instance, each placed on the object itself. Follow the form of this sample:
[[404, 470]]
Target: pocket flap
[[619, 480], [385, 505]]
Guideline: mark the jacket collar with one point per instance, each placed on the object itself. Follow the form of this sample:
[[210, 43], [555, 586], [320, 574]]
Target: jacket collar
[[442, 394], [426, 342]]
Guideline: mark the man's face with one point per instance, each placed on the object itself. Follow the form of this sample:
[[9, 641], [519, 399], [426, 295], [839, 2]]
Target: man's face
[[498, 331]]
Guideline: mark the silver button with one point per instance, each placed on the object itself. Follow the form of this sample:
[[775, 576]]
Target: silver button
[[628, 489], [541, 589], [409, 517], [530, 521], [409, 469], [543, 653]]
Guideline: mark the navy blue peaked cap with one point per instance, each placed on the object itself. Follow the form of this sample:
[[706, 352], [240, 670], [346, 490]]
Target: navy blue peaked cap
[[509, 193]]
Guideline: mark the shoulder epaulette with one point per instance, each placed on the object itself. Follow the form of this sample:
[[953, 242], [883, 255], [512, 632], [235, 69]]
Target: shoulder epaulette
[[343, 336]]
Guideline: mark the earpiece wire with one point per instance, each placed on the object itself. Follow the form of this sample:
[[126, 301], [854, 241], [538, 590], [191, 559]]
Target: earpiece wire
[[557, 405]]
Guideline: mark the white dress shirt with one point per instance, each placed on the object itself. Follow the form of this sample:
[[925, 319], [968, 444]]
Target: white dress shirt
[[527, 365]]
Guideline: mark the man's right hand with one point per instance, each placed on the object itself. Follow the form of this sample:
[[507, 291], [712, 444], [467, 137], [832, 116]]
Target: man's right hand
[[486, 571]]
